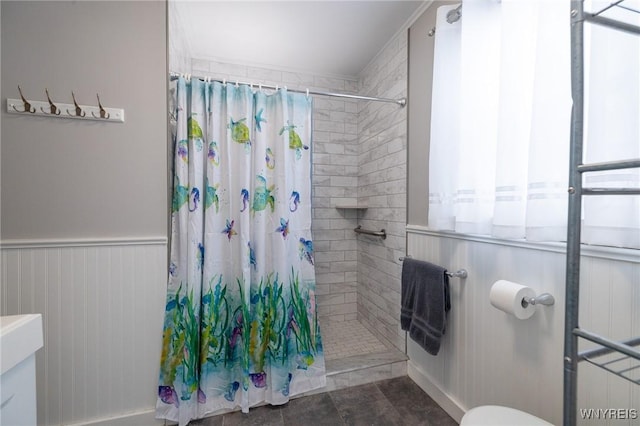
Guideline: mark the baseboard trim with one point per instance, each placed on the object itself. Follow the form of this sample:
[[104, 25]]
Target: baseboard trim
[[138, 418], [448, 404], [82, 242]]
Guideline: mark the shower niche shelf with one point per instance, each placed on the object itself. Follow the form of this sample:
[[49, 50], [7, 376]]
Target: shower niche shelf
[[352, 206]]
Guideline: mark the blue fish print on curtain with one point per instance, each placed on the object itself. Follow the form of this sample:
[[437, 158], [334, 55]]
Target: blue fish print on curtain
[[240, 322]]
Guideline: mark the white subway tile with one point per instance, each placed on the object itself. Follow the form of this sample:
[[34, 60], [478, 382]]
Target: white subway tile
[[297, 80], [329, 83], [265, 75], [229, 69]]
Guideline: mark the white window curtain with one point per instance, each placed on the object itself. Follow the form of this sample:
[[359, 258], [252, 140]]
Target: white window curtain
[[501, 115]]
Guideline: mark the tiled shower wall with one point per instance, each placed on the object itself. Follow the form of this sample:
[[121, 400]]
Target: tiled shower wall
[[382, 171], [359, 157], [335, 177]]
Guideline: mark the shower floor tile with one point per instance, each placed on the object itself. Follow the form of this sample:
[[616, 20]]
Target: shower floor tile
[[348, 338]]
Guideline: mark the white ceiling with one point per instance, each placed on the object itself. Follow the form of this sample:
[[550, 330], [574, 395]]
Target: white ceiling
[[336, 38]]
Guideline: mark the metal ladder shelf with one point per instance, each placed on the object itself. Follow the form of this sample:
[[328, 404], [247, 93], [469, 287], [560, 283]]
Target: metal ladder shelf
[[621, 351], [613, 365], [600, 18]]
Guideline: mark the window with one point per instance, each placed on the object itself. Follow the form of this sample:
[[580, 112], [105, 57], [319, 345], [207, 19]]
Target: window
[[501, 120]]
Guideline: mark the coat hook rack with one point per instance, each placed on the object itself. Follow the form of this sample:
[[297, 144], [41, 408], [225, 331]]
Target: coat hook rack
[[52, 109]]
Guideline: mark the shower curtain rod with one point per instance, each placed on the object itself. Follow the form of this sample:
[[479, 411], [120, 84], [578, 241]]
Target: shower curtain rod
[[402, 101]]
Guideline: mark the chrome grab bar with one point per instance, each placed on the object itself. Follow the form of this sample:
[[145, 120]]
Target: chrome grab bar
[[382, 233]]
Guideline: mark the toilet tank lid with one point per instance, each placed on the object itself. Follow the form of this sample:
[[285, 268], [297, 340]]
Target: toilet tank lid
[[496, 415]]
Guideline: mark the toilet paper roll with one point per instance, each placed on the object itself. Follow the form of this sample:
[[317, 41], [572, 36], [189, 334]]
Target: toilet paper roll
[[507, 296]]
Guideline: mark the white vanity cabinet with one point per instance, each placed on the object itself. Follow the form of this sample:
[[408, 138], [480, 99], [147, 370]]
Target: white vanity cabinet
[[20, 338]]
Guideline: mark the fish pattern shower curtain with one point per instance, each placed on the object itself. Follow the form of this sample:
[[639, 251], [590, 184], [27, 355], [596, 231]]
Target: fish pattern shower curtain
[[241, 326]]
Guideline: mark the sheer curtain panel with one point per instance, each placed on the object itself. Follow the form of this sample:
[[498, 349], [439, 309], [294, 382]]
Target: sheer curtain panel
[[501, 113]]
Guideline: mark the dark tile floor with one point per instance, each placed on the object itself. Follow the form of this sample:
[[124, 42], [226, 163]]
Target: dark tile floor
[[385, 403]]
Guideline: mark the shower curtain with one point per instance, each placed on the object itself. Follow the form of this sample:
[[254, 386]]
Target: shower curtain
[[240, 322]]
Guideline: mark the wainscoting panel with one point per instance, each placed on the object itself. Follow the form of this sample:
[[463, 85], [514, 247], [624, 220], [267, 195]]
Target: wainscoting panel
[[102, 308], [489, 357]]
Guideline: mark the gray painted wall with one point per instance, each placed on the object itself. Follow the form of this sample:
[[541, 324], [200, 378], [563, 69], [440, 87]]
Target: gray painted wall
[[72, 179], [419, 114]]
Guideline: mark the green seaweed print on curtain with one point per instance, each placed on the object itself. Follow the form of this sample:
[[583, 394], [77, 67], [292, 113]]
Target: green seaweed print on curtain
[[240, 321]]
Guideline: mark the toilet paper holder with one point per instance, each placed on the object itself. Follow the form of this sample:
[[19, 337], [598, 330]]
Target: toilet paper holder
[[543, 299]]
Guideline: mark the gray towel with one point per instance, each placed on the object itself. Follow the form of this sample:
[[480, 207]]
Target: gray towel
[[425, 302]]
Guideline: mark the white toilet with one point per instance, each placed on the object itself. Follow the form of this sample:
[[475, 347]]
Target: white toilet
[[495, 415]]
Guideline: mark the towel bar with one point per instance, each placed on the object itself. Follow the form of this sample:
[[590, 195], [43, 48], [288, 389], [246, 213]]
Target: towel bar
[[460, 273], [382, 233]]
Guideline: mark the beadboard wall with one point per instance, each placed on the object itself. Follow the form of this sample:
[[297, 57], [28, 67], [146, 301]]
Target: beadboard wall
[[489, 357], [102, 304]]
